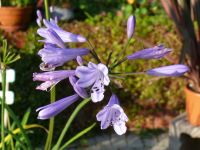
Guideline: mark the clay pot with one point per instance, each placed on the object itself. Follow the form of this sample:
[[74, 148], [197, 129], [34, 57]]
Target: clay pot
[[193, 106], [15, 18]]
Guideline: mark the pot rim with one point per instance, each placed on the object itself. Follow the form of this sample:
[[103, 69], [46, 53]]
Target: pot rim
[[17, 7], [189, 90]]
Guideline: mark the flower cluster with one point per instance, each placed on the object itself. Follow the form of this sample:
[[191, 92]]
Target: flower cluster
[[91, 80]]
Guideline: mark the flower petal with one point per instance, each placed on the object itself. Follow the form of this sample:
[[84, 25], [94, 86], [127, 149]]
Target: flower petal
[[58, 56], [97, 91], [55, 39], [80, 91], [53, 75], [131, 26], [121, 128], [45, 85], [155, 52], [53, 109], [79, 60], [172, 70], [65, 36]]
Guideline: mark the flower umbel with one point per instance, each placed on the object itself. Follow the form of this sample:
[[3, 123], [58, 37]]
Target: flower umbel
[[90, 81], [113, 115]]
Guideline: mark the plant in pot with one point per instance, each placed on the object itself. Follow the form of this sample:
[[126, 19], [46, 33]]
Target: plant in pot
[[15, 14], [186, 15]]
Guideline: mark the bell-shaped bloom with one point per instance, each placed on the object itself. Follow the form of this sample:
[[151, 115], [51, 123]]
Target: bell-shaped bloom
[[94, 76], [64, 35], [55, 108], [79, 90], [172, 70], [113, 115], [51, 78], [54, 57], [155, 52], [131, 26], [53, 38]]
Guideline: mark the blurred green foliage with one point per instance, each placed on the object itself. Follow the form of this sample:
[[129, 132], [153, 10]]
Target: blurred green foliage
[[18, 3]]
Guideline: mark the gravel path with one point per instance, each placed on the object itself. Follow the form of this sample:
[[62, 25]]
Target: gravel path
[[128, 142]]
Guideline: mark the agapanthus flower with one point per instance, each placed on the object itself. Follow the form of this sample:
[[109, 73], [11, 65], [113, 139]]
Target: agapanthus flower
[[51, 110], [172, 70], [94, 76], [155, 52], [39, 18], [53, 57], [79, 60], [131, 26], [113, 115], [51, 78], [64, 35]]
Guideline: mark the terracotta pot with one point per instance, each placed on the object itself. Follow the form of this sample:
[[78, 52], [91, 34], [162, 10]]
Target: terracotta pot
[[193, 106], [15, 18]]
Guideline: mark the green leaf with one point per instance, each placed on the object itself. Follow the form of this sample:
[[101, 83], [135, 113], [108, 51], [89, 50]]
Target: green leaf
[[26, 116], [18, 130], [13, 116]]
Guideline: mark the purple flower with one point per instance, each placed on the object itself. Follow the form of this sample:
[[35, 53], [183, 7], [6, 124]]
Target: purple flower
[[53, 38], [131, 26], [94, 76], [54, 57], [79, 60], [64, 35], [155, 52], [51, 78], [113, 115], [55, 108], [172, 70], [39, 18], [80, 91]]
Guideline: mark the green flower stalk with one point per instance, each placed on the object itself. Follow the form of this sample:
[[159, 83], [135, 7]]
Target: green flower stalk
[[3, 75], [7, 58], [52, 94]]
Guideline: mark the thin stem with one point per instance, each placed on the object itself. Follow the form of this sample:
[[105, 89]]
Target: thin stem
[[116, 76], [126, 73], [12, 115], [52, 94], [69, 122], [118, 63], [51, 123], [109, 57], [46, 5], [3, 75], [93, 52], [9, 128], [78, 136], [123, 51]]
